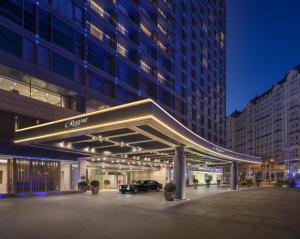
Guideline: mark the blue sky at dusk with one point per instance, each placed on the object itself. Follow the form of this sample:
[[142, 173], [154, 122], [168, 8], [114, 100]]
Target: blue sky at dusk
[[263, 43]]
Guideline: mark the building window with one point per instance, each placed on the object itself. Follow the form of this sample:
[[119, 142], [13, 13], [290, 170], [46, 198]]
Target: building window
[[78, 45], [162, 46], [79, 74], [10, 42], [78, 15], [161, 78], [44, 24], [62, 34], [99, 57], [122, 50], [94, 105], [12, 10], [29, 16], [145, 30], [127, 75], [161, 29], [125, 95], [96, 32], [62, 66], [65, 7], [44, 57], [99, 84], [98, 9], [28, 50], [29, 90], [122, 29], [145, 67]]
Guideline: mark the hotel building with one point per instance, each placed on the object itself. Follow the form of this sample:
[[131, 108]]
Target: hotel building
[[269, 127], [60, 59]]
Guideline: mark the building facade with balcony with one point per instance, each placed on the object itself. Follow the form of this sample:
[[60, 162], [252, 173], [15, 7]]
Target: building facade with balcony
[[63, 58], [269, 127]]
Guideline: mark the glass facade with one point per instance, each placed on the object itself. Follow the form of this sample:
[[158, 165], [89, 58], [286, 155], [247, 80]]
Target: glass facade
[[31, 91], [32, 176], [121, 51]]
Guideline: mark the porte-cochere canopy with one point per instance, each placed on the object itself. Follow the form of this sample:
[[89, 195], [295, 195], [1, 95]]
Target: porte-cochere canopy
[[131, 132]]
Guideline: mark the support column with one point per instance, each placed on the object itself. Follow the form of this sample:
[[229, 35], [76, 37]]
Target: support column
[[81, 173], [179, 172], [234, 176]]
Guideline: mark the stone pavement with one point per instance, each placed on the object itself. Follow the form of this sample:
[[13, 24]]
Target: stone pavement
[[267, 213]]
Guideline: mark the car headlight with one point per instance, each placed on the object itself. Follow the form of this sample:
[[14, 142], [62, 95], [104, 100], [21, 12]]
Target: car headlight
[[128, 187]]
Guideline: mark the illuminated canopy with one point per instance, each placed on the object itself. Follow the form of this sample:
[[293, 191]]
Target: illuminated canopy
[[136, 130]]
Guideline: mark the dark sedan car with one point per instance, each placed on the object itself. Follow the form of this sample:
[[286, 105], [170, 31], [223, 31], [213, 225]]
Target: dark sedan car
[[141, 185]]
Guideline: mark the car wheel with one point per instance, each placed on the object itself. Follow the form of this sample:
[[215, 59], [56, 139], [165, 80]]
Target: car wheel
[[122, 192], [135, 190], [158, 189]]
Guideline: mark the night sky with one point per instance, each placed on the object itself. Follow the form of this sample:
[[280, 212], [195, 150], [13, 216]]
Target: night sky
[[263, 43]]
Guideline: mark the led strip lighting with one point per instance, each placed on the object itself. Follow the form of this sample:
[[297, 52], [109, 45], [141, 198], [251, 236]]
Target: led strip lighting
[[146, 117]]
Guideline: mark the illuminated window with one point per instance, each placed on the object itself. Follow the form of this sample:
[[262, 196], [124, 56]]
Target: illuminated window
[[96, 32], [25, 89], [122, 50], [161, 29], [204, 62], [162, 46], [161, 13], [161, 78], [145, 67], [122, 29], [98, 9], [222, 39], [145, 30]]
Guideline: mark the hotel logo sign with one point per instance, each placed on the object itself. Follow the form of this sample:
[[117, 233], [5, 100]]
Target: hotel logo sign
[[219, 150], [75, 123]]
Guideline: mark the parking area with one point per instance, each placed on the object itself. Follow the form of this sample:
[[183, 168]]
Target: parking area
[[209, 213]]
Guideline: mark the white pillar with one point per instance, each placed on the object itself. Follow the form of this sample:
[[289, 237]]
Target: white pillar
[[65, 183], [234, 176], [179, 172]]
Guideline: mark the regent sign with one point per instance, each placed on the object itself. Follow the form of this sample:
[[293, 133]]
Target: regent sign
[[75, 123], [219, 150]]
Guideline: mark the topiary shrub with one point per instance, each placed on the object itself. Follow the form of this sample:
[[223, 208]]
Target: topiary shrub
[[195, 182], [95, 186], [106, 182], [83, 186], [243, 183], [281, 183], [249, 182], [170, 187], [95, 183]]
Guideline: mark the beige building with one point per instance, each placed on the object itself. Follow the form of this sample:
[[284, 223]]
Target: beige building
[[269, 127]]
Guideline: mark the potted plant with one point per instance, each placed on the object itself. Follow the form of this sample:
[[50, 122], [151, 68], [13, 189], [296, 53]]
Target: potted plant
[[106, 182], [207, 182], [281, 183], [170, 189], [243, 183], [83, 186], [95, 186], [195, 182], [258, 178], [249, 182]]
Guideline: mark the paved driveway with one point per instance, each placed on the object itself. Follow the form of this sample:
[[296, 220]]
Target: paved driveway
[[210, 213]]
